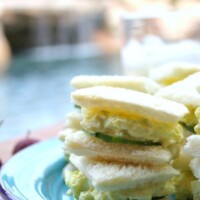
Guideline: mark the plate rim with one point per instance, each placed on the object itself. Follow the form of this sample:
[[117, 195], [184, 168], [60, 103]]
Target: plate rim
[[7, 194]]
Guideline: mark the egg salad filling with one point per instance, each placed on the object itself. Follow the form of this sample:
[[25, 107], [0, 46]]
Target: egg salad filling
[[197, 127], [131, 127], [182, 182], [195, 189], [183, 185], [80, 188], [190, 119]]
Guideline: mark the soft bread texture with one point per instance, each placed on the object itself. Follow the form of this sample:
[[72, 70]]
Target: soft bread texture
[[82, 144], [65, 132], [73, 120], [172, 72], [192, 147], [195, 167], [72, 124], [138, 83], [129, 102], [186, 91], [108, 176], [143, 193], [197, 127]]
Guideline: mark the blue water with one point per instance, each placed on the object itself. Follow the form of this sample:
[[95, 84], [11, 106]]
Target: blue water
[[34, 94]]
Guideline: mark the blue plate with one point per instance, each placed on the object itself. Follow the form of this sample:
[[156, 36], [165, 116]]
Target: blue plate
[[35, 173]]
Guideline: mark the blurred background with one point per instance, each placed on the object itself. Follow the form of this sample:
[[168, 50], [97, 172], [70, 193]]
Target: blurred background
[[44, 43]]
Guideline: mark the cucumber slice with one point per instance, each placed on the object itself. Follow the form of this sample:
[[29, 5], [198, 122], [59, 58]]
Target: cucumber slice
[[188, 128], [112, 139]]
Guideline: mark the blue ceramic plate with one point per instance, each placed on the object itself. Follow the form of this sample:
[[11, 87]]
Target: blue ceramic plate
[[35, 173]]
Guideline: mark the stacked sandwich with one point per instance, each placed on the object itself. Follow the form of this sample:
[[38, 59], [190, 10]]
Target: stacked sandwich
[[172, 72], [186, 92], [192, 149], [121, 143], [182, 84]]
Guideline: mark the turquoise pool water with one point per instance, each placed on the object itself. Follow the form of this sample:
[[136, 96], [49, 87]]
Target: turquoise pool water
[[34, 94]]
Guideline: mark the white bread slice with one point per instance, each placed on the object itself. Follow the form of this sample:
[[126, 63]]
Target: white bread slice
[[82, 144], [143, 193], [73, 120], [195, 167], [108, 176], [172, 72], [192, 147], [129, 102], [186, 91], [65, 132], [138, 83], [72, 124]]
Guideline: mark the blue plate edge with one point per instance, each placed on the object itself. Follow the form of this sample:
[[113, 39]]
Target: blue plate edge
[[5, 194]]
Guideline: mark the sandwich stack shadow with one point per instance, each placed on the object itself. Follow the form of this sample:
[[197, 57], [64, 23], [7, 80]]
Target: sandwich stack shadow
[[120, 144]]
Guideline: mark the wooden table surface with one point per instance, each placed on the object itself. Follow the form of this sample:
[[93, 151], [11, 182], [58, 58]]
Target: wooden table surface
[[6, 147]]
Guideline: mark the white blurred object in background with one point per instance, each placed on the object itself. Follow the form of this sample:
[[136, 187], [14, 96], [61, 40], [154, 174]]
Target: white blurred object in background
[[148, 42]]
